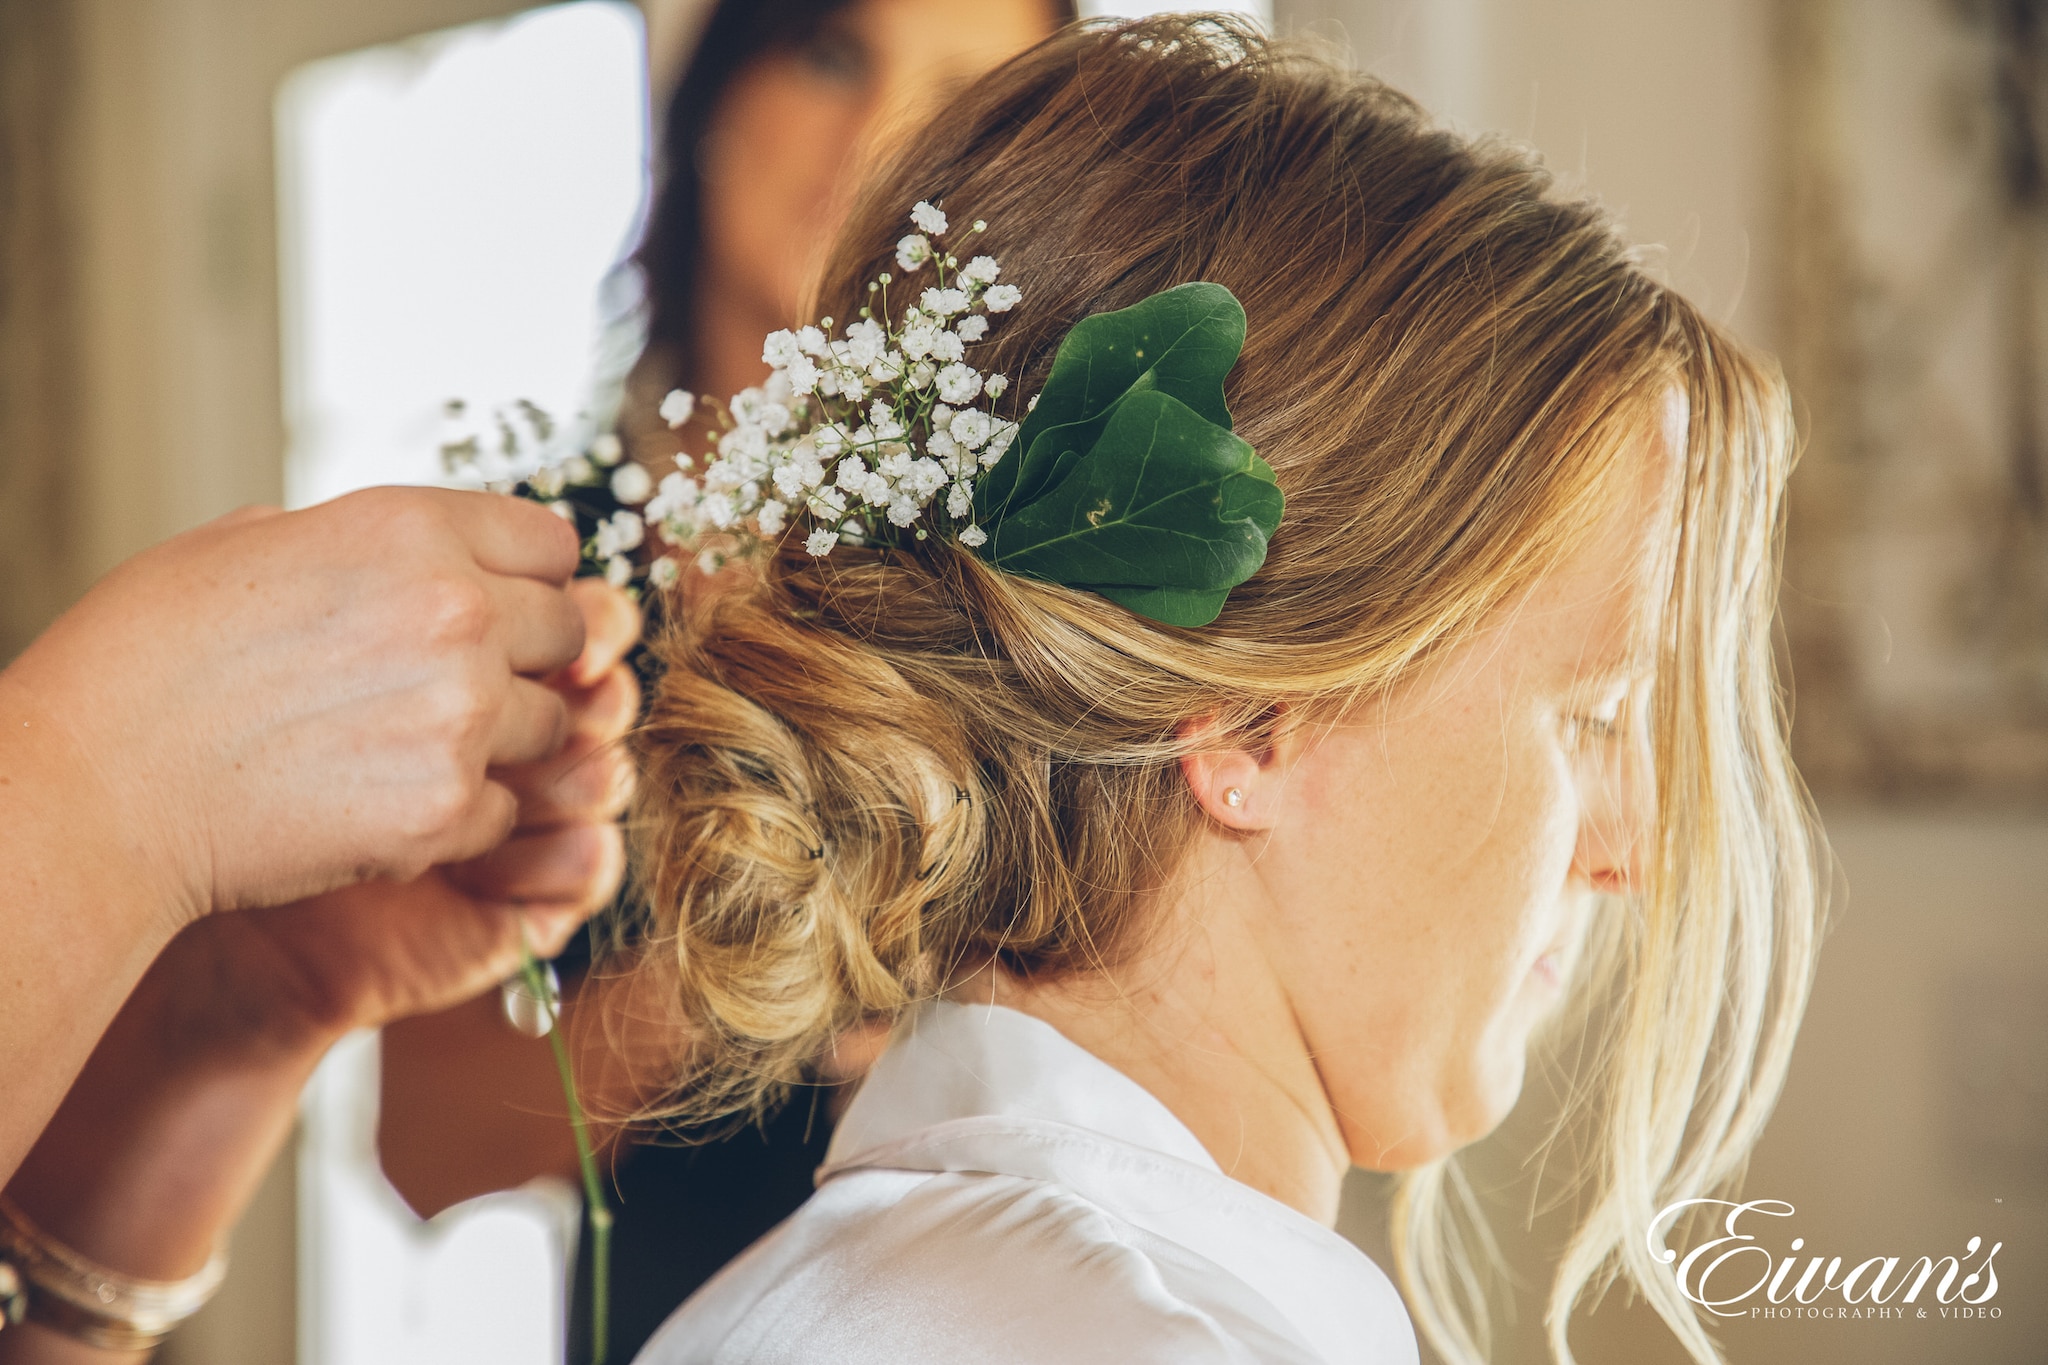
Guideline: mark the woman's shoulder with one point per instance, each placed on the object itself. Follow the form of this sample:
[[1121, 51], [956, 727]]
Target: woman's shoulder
[[906, 1267]]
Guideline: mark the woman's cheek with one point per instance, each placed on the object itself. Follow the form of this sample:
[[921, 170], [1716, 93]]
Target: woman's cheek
[[1522, 883]]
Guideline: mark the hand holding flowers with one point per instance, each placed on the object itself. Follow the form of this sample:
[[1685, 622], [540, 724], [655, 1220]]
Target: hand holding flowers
[[189, 1093]]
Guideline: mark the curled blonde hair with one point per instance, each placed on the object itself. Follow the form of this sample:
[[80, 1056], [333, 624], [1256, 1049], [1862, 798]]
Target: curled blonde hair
[[866, 773]]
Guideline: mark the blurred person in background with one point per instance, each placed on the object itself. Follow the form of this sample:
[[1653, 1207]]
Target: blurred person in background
[[780, 105]]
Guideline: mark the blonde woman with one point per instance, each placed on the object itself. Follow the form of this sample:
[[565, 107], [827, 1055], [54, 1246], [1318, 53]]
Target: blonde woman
[[1177, 924]]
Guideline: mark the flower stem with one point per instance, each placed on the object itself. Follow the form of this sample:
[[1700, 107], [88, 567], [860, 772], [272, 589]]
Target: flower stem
[[599, 1211]]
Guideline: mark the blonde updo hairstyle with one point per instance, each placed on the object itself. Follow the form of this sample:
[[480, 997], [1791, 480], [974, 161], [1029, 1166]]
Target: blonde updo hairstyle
[[867, 773]]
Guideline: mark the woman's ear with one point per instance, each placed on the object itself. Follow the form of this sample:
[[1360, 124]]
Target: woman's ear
[[1234, 777]]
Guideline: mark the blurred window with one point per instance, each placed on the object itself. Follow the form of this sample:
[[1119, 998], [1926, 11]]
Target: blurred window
[[450, 207]]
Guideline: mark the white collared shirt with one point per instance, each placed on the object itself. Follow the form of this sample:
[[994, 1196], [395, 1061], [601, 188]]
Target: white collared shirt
[[997, 1193]]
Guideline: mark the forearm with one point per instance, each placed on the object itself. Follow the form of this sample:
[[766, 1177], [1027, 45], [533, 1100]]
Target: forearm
[[155, 1153], [84, 917], [31, 1343], [145, 1171]]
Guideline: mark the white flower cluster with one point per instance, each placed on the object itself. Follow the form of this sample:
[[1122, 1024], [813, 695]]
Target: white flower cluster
[[886, 424], [528, 447]]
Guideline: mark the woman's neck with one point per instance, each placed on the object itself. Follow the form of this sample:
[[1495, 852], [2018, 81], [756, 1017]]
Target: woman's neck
[[1201, 1021]]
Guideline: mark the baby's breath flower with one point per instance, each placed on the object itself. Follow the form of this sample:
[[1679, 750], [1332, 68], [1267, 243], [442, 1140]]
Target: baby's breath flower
[[998, 444], [718, 511], [632, 484], [958, 384], [619, 533], [566, 511], [943, 303], [925, 478], [971, 428], [780, 349], [676, 494], [865, 342], [854, 435], [745, 442]]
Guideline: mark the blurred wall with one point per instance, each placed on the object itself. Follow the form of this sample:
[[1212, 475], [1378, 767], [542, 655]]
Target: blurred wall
[[37, 335], [1661, 107]]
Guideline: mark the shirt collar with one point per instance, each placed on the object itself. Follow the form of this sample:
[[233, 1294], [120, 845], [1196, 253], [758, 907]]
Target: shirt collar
[[947, 1061], [981, 1088]]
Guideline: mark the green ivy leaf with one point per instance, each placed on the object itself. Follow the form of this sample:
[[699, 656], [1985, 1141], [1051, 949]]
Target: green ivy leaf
[[1125, 479], [1181, 341], [1165, 513]]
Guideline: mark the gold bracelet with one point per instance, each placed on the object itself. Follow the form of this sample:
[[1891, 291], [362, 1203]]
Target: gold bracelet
[[67, 1293]]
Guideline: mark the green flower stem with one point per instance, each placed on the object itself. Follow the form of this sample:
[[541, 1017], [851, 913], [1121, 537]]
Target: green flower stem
[[600, 1212]]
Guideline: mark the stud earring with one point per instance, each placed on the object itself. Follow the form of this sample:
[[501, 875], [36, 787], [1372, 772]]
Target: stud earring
[[1234, 797]]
